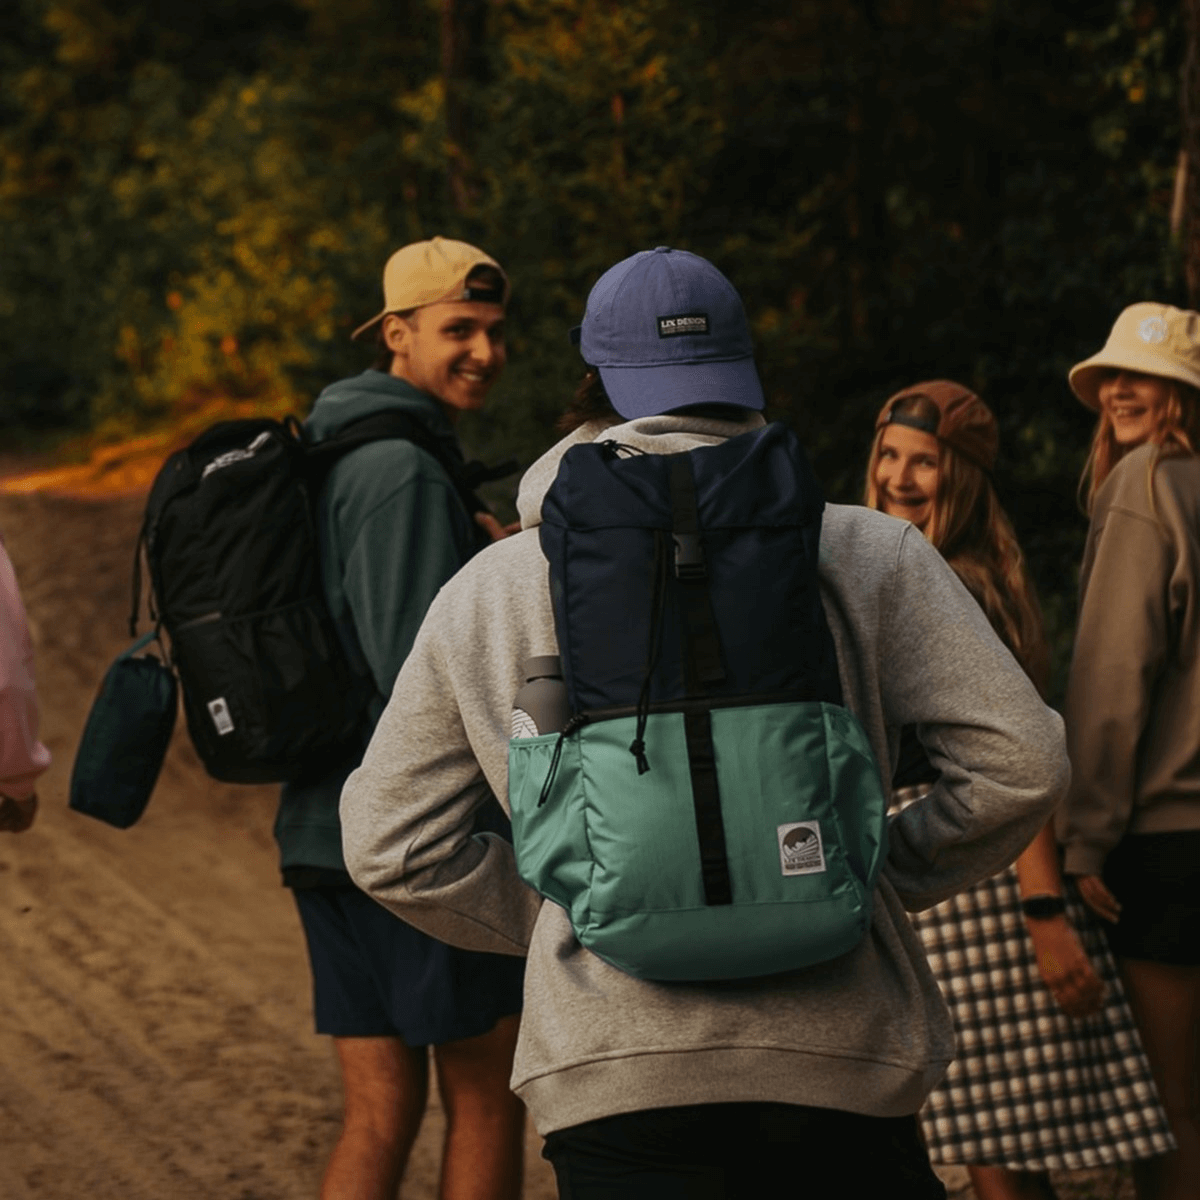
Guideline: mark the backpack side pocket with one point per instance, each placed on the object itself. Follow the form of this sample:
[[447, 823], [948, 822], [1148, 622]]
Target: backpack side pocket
[[862, 803], [266, 695], [549, 838]]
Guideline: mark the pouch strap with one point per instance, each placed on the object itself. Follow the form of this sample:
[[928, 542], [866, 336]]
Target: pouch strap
[[136, 607], [140, 644]]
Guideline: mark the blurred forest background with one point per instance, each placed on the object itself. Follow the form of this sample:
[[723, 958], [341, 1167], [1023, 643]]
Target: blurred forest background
[[196, 201]]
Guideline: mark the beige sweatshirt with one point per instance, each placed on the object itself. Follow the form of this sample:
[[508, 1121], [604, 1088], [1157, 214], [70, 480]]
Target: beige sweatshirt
[[867, 1032], [1133, 697]]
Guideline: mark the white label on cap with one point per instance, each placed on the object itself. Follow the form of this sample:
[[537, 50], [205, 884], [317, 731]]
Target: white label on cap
[[684, 323], [219, 711], [1153, 330]]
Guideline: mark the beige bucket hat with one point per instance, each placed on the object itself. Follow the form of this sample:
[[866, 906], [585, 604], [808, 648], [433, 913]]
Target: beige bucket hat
[[433, 272], [1155, 339]]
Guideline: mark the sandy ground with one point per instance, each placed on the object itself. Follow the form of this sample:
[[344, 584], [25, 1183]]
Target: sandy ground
[[155, 1028]]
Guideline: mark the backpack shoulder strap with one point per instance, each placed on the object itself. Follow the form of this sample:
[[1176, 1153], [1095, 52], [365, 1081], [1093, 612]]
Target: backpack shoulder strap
[[465, 477]]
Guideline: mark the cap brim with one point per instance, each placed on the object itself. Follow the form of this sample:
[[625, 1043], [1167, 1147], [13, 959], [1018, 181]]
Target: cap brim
[[650, 391], [368, 324], [1085, 377]]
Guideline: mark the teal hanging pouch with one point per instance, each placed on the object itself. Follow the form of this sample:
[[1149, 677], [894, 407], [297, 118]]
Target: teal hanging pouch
[[125, 738]]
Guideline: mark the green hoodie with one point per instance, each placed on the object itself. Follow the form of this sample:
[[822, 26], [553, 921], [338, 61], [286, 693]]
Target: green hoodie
[[392, 530]]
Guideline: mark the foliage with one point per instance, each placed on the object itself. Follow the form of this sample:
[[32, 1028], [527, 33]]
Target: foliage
[[196, 201]]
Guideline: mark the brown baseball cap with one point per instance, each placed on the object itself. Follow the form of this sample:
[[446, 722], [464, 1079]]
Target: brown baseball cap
[[1153, 339], [964, 422], [434, 272]]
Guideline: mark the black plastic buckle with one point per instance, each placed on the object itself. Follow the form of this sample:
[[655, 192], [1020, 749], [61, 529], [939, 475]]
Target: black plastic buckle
[[689, 556]]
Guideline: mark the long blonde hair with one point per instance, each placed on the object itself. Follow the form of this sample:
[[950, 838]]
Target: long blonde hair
[[1176, 432], [972, 532]]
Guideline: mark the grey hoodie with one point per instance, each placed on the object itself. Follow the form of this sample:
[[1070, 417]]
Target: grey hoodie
[[867, 1032]]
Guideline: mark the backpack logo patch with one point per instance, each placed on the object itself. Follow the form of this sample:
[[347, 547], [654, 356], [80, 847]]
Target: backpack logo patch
[[800, 849], [219, 711], [684, 323]]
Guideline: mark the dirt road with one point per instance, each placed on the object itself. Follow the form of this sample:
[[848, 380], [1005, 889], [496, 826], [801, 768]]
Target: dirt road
[[155, 1030]]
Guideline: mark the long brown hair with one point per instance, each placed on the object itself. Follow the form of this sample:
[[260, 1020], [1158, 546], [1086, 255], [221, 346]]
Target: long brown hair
[[972, 532], [1176, 432]]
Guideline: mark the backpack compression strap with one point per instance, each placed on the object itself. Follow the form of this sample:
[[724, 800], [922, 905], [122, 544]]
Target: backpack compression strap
[[704, 668]]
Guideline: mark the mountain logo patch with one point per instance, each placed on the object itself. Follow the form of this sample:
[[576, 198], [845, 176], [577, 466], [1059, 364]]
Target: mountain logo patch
[[800, 849]]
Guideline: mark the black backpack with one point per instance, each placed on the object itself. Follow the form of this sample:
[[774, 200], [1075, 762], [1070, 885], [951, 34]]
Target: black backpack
[[230, 541]]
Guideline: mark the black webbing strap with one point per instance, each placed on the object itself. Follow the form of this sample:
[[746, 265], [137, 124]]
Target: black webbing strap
[[703, 646], [702, 651], [710, 827]]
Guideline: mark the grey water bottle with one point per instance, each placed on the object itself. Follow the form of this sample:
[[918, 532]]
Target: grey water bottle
[[541, 704]]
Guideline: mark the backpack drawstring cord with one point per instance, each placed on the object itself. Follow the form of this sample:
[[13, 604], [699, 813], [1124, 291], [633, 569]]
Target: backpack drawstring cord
[[573, 723]]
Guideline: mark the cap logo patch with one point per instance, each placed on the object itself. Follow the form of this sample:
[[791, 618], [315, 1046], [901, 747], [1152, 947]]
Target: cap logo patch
[[683, 324], [1153, 330]]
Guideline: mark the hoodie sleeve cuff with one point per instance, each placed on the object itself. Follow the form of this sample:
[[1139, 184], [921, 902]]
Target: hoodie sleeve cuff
[[1080, 859]]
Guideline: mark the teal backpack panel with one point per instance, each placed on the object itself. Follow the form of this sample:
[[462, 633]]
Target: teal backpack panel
[[606, 842]]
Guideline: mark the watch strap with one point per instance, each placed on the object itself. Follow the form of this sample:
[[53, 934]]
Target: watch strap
[[1040, 908]]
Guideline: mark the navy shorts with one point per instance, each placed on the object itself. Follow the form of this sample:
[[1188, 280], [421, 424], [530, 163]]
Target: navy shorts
[[1156, 877], [375, 976]]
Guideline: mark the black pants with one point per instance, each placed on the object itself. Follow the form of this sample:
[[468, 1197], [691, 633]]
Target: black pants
[[742, 1152]]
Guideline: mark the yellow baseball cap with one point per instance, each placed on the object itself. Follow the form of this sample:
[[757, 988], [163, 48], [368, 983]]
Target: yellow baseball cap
[[1154, 339], [433, 272]]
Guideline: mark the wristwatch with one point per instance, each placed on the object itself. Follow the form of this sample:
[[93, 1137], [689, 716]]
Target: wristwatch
[[1040, 908]]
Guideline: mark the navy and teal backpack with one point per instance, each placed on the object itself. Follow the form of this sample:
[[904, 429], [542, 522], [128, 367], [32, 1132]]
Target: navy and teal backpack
[[711, 810]]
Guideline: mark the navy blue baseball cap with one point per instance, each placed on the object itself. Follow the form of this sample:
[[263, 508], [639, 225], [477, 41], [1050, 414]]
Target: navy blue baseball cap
[[666, 330]]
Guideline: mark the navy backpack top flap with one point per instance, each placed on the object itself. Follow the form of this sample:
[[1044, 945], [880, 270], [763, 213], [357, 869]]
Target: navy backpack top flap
[[651, 555]]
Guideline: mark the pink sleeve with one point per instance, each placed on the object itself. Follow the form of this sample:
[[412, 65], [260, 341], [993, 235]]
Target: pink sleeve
[[22, 757]]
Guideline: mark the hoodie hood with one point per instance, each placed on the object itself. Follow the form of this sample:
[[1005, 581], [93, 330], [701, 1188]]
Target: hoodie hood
[[663, 434], [372, 392]]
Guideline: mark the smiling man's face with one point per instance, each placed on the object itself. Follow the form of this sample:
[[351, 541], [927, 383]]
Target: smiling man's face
[[454, 351]]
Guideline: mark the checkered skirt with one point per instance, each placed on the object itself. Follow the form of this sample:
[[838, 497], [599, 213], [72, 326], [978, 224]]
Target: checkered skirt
[[1030, 1088]]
